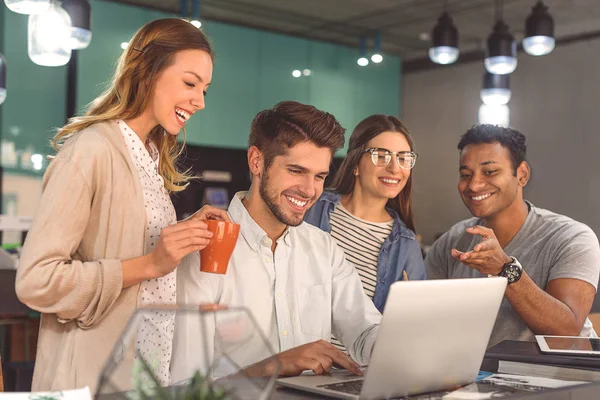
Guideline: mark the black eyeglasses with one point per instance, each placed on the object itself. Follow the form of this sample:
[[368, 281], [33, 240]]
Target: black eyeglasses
[[382, 157]]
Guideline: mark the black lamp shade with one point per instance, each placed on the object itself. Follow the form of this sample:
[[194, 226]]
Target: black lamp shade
[[80, 13], [539, 22], [496, 81], [501, 42], [444, 32]]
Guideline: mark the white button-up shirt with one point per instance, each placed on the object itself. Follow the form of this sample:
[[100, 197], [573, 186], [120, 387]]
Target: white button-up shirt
[[301, 293]]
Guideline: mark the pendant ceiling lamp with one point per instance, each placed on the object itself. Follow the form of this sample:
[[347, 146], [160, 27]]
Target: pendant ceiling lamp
[[196, 14], [539, 31], [2, 79], [494, 114], [81, 16], [377, 57], [28, 6], [49, 37], [501, 51], [363, 61], [495, 89], [444, 40]]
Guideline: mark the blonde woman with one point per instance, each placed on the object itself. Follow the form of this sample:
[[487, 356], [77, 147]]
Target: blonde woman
[[105, 239]]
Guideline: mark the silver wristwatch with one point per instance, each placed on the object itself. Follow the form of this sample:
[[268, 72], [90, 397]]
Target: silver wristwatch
[[512, 270]]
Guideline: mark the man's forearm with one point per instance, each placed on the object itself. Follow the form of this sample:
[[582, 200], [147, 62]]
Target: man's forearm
[[543, 313], [266, 367]]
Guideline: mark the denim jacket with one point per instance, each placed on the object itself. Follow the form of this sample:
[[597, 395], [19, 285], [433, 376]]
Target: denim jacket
[[399, 252]]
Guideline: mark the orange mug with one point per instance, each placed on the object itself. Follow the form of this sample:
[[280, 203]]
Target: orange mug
[[214, 258]]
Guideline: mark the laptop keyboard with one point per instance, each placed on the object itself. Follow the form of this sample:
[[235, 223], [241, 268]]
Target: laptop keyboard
[[352, 387]]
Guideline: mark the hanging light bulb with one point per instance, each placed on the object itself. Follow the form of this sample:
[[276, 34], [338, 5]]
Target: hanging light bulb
[[444, 41], [501, 51], [80, 13], [376, 57], [196, 14], [501, 57], [49, 37], [494, 114], [28, 6], [363, 61], [496, 89], [2, 79], [539, 31]]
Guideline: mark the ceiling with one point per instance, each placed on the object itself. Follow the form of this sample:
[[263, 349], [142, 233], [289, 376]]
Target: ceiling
[[404, 24]]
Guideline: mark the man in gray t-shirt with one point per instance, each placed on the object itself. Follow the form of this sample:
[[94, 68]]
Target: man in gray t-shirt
[[552, 262]]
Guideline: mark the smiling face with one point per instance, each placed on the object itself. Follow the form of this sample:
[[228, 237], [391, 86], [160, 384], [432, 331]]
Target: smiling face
[[383, 182], [488, 185], [179, 90], [294, 181]]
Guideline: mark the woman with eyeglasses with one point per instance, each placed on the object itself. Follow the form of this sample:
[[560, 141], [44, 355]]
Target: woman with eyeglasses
[[369, 211]]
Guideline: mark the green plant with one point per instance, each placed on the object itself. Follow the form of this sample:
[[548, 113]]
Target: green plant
[[198, 388]]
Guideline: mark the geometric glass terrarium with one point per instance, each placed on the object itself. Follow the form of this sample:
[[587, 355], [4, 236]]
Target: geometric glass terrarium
[[132, 371]]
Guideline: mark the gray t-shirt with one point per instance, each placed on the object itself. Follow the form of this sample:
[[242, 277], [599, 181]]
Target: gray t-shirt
[[548, 246]]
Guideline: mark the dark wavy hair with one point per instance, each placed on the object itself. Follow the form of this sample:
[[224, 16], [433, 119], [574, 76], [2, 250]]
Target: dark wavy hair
[[367, 129], [511, 139]]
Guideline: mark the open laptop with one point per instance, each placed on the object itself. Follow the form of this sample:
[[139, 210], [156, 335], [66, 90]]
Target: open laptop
[[433, 336]]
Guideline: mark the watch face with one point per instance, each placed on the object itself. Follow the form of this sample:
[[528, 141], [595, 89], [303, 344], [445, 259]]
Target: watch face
[[512, 273]]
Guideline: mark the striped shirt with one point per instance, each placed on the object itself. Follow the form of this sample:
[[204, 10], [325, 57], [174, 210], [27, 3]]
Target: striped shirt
[[361, 241]]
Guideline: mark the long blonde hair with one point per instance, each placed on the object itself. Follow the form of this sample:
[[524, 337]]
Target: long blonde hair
[[150, 51]]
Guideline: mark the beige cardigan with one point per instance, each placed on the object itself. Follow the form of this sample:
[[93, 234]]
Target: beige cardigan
[[90, 217]]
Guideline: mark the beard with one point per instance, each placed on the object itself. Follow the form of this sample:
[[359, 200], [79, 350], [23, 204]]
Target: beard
[[276, 209]]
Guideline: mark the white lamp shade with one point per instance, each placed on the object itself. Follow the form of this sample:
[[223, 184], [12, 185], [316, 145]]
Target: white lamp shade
[[494, 96], [49, 37], [538, 45], [443, 54], [494, 114], [28, 6], [500, 65], [80, 38]]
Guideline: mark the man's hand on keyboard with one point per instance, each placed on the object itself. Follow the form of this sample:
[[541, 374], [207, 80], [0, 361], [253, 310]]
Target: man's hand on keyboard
[[317, 356]]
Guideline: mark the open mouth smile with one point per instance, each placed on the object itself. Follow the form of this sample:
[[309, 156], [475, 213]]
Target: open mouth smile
[[182, 115], [298, 204], [481, 197]]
